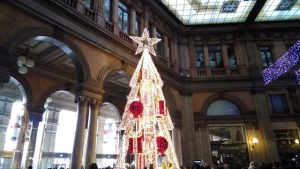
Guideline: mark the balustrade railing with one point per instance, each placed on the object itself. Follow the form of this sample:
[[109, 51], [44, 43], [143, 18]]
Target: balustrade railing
[[208, 72], [71, 3], [90, 13], [109, 26], [218, 72], [125, 37]]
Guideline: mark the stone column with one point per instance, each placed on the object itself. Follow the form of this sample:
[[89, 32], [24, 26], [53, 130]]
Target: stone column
[[251, 53], [188, 129], [203, 144], [35, 116], [82, 106], [99, 12], [268, 142], [80, 6], [132, 19], [115, 4], [90, 155], [166, 48], [177, 143], [206, 59], [191, 52], [18, 152]]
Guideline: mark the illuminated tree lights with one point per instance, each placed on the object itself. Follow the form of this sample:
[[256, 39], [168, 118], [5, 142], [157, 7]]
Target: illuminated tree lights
[[283, 64], [146, 122]]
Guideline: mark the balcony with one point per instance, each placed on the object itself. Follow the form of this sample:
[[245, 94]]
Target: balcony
[[125, 37], [109, 26], [209, 72], [91, 14], [71, 3]]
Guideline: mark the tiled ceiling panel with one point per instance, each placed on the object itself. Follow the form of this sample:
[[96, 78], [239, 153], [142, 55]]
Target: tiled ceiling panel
[[191, 12], [280, 10]]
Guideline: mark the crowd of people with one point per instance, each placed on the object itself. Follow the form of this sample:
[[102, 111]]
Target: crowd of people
[[291, 164]]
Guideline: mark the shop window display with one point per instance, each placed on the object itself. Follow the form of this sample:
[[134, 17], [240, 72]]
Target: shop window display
[[228, 146]]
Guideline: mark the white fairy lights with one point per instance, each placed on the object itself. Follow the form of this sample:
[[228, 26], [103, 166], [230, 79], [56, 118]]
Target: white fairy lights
[[143, 131]]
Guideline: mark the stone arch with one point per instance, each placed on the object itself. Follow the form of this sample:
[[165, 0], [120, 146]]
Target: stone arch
[[112, 108], [171, 102], [55, 38], [109, 68], [220, 96], [24, 87], [52, 90]]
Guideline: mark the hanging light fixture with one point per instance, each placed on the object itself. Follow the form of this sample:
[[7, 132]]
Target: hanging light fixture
[[23, 62]]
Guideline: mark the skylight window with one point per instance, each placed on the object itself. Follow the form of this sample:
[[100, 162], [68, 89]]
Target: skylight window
[[210, 11], [230, 6], [285, 5], [280, 10]]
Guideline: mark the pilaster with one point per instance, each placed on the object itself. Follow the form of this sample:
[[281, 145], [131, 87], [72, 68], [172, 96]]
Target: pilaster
[[188, 129]]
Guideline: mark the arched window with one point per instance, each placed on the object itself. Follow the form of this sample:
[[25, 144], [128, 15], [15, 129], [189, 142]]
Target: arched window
[[222, 108]]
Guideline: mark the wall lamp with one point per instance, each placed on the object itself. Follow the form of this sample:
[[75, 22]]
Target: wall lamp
[[254, 142]]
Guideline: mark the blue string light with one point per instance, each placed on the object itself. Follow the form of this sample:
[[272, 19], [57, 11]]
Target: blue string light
[[297, 72], [283, 64]]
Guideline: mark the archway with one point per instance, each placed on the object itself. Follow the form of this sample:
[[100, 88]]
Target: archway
[[44, 53], [116, 86], [108, 135], [56, 129], [12, 107]]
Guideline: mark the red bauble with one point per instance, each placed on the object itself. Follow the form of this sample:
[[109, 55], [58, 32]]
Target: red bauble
[[162, 144], [136, 108]]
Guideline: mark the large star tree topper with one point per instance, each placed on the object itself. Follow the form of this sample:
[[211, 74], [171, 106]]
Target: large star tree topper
[[145, 42]]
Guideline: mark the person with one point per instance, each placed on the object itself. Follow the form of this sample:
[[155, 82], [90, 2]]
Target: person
[[92, 166], [30, 167], [252, 165]]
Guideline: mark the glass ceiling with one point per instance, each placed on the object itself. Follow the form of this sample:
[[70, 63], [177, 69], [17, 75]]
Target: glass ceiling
[[278, 10], [197, 12], [192, 12]]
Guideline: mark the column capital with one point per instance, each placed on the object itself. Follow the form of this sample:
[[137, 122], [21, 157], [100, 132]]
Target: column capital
[[94, 102], [81, 99]]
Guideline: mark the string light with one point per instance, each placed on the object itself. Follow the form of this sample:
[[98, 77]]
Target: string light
[[283, 64], [146, 118], [297, 72]]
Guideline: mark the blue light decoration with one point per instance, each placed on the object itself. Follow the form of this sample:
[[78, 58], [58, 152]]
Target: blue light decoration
[[283, 64], [297, 72]]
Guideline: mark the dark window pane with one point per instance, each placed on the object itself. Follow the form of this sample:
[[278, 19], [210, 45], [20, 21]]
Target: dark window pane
[[170, 50], [137, 25], [199, 57], [222, 108], [215, 57], [266, 56], [160, 48], [150, 30], [123, 19], [279, 104], [107, 10], [88, 3], [231, 57]]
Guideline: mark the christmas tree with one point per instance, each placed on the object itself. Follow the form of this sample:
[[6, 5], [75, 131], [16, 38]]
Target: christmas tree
[[146, 141]]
